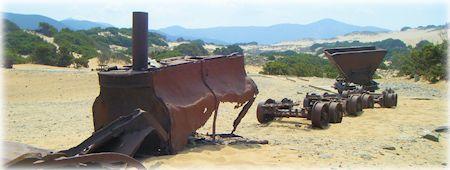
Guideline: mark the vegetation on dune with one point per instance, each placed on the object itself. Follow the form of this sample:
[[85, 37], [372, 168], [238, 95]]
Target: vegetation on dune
[[90, 43], [76, 41], [194, 48], [228, 50], [298, 64], [426, 59], [46, 29]]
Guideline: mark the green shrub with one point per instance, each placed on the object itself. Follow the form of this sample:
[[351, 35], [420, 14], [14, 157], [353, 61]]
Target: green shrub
[[158, 55], [228, 50], [46, 29], [44, 54], [14, 57], [191, 49], [300, 64], [81, 62], [426, 59]]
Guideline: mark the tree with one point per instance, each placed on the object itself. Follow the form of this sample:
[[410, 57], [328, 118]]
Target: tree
[[158, 55], [423, 43], [191, 49], [275, 68], [13, 57], [81, 62], [427, 60], [65, 57], [46, 29], [228, 50], [44, 54], [405, 28]]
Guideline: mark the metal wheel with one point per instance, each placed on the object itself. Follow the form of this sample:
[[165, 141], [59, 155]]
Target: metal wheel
[[390, 100], [384, 100], [354, 105], [367, 101], [319, 115], [335, 112], [263, 114]]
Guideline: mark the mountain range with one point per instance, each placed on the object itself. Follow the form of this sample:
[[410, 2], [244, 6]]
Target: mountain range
[[31, 22], [322, 29], [325, 28]]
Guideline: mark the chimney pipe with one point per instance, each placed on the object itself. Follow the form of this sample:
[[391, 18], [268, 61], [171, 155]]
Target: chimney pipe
[[140, 45]]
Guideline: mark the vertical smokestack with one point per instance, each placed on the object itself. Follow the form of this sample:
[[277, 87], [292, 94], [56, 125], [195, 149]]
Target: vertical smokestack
[[140, 30]]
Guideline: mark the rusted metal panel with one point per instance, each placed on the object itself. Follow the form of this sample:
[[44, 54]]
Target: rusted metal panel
[[356, 64], [189, 102], [228, 80]]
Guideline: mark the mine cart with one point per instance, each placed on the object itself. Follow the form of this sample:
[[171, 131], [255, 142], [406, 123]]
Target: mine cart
[[149, 109], [355, 86], [357, 66]]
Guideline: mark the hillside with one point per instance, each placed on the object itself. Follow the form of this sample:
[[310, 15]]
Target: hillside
[[326, 28], [409, 37], [83, 24], [31, 22], [49, 46]]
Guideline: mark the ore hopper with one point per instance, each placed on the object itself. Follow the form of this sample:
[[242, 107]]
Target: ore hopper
[[357, 64]]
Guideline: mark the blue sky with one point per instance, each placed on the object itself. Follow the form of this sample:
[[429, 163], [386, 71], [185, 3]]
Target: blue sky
[[390, 14]]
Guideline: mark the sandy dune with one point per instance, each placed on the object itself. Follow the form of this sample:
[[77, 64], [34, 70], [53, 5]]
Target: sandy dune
[[51, 108], [409, 37]]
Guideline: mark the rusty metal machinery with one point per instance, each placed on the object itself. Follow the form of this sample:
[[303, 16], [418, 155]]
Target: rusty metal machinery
[[153, 109], [357, 66], [356, 90]]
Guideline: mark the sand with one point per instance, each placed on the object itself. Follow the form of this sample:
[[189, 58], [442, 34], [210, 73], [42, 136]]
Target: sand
[[50, 108], [409, 37]]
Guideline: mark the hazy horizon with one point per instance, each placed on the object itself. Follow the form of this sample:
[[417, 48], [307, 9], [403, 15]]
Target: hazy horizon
[[195, 14]]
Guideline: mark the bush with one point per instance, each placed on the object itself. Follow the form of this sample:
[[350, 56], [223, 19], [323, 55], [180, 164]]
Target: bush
[[14, 58], [64, 57], [81, 62], [77, 42], [158, 55], [228, 50], [428, 60], [46, 29], [276, 68], [44, 54], [191, 49], [21, 42], [301, 64]]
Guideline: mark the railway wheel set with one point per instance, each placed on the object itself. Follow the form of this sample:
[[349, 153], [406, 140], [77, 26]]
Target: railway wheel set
[[355, 91]]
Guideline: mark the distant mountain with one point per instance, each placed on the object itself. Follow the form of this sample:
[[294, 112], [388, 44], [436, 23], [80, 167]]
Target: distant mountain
[[83, 24], [326, 28], [31, 22]]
